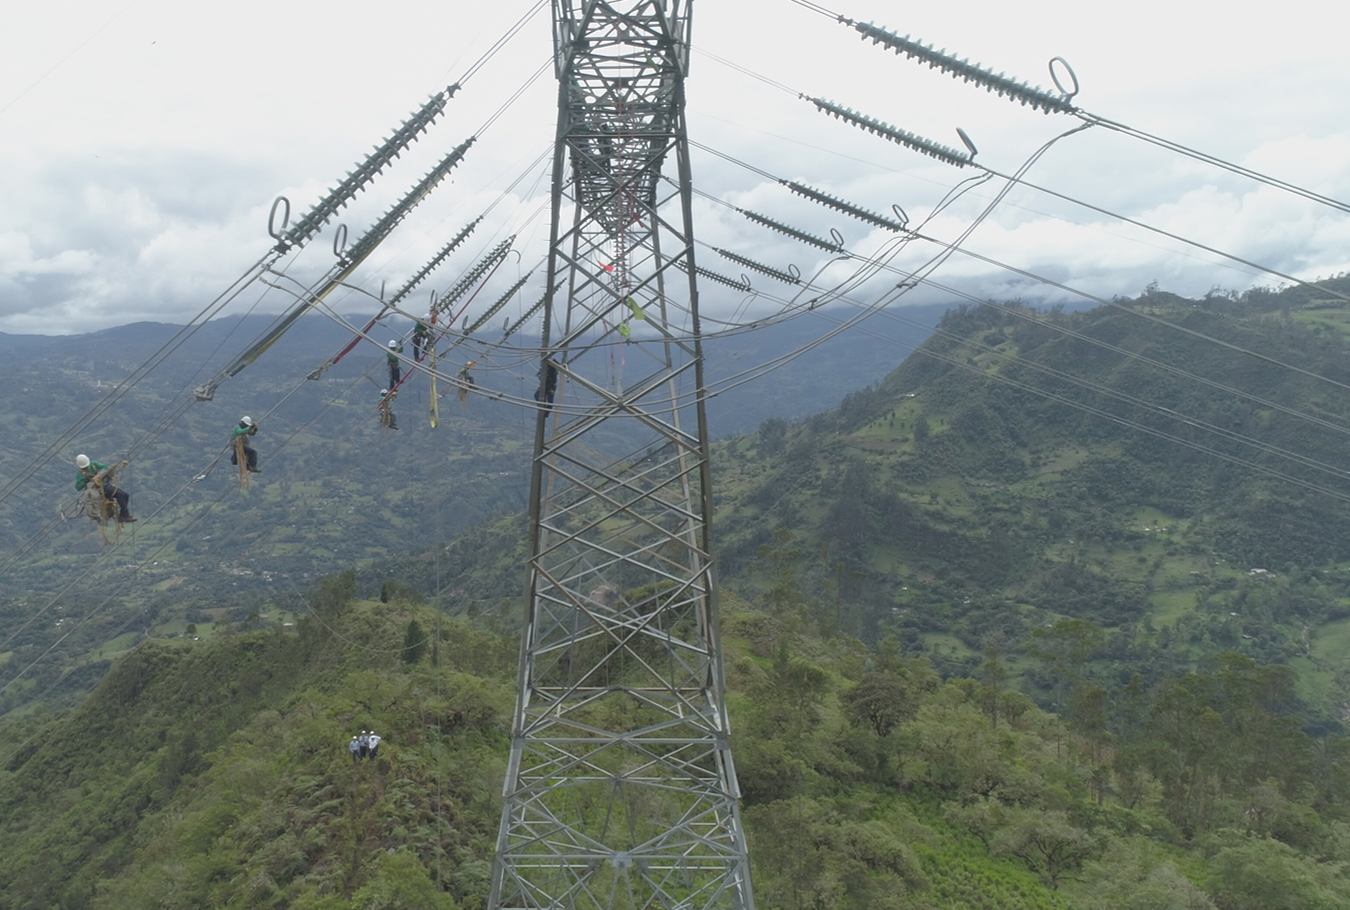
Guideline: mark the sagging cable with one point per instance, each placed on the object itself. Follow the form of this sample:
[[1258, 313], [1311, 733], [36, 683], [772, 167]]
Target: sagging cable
[[792, 276], [833, 245], [849, 208], [1031, 96], [895, 134], [307, 226]]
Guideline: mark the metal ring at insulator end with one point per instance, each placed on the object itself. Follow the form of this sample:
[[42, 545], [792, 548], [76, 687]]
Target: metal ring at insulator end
[[837, 237], [272, 230], [1054, 77], [900, 214], [795, 272], [339, 240]]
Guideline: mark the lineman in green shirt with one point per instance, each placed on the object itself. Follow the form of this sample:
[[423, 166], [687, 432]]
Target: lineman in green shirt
[[421, 335], [246, 429], [89, 471], [395, 366]]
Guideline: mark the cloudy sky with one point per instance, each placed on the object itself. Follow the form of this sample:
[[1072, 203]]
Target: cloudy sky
[[142, 143]]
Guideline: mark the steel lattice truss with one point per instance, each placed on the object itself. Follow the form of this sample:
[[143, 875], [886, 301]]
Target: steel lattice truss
[[620, 791]]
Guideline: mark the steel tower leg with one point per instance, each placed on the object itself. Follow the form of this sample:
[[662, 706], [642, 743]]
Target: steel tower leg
[[620, 790]]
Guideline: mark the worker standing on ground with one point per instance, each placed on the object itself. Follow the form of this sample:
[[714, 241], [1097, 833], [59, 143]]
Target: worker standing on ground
[[365, 744], [354, 747], [100, 475], [239, 441], [374, 743], [395, 367]]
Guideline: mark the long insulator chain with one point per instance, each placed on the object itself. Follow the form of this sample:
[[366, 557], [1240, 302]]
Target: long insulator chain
[[434, 262], [363, 247], [791, 276], [347, 263], [894, 134], [529, 314], [474, 274], [847, 208], [700, 271], [497, 307], [1029, 95], [308, 225], [834, 245]]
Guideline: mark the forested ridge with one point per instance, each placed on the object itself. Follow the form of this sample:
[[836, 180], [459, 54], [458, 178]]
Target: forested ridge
[[216, 774], [984, 649], [336, 491]]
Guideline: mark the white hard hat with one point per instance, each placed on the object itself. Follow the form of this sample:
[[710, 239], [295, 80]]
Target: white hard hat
[[384, 391], [246, 420], [427, 317], [393, 344], [81, 461]]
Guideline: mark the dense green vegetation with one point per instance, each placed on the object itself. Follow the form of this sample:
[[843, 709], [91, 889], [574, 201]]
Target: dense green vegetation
[[985, 649], [336, 490], [955, 506], [215, 774]]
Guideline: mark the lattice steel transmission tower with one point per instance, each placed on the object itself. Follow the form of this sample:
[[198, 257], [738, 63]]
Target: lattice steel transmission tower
[[620, 791]]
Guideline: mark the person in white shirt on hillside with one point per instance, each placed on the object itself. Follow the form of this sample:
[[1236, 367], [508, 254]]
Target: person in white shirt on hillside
[[374, 742], [355, 748]]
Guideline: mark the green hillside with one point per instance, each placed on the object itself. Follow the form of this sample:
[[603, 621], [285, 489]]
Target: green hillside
[[215, 774], [1050, 617], [337, 490], [965, 502]]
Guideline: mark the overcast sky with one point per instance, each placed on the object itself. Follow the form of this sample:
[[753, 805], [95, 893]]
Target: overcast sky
[[142, 143]]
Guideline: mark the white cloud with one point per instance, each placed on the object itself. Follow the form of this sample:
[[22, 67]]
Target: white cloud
[[138, 173]]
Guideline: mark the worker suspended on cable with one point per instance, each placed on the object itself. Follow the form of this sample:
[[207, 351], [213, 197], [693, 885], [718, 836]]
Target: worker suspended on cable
[[99, 476], [421, 333], [465, 380], [395, 368], [239, 440], [386, 406]]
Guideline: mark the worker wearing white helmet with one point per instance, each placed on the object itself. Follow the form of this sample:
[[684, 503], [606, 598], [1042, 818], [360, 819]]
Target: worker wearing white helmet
[[395, 367], [240, 437], [100, 475], [386, 409]]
